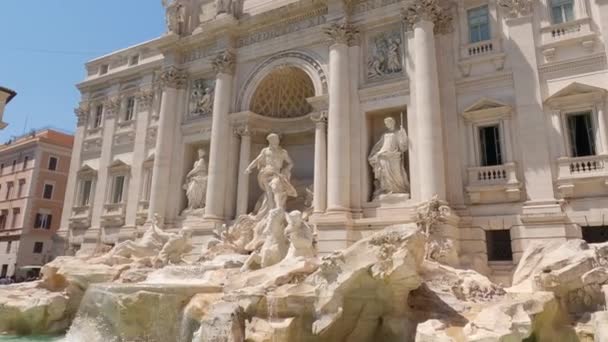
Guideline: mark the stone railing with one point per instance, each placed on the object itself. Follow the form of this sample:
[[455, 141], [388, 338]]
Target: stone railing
[[565, 31], [582, 167], [480, 48], [113, 214], [81, 216], [492, 175]]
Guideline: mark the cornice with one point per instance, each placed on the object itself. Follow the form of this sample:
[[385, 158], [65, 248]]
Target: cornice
[[476, 83], [593, 62]]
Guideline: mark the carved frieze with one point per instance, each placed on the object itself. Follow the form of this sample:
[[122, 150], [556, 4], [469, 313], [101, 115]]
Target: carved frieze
[[342, 32], [429, 10], [224, 62], [201, 98], [364, 6], [384, 55], [173, 77], [516, 8], [281, 29]]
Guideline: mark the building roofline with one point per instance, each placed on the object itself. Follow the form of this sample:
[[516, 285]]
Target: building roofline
[[11, 93], [99, 59]]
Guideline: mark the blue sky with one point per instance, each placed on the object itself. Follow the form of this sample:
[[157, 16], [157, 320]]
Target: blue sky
[[46, 43]]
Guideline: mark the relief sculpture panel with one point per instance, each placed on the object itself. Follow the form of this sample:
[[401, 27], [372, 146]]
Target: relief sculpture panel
[[385, 55], [201, 98]]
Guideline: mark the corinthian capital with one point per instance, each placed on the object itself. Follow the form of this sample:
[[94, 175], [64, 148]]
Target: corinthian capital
[[342, 32], [224, 62], [172, 77], [111, 106], [144, 99], [516, 8], [429, 10], [82, 113]]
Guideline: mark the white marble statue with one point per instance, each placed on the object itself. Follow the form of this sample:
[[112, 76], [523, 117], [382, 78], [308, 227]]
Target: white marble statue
[[300, 236], [175, 248], [175, 15], [274, 175], [196, 183], [275, 244], [386, 160]]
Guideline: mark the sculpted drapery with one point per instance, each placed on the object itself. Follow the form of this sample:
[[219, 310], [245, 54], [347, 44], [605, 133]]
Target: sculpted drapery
[[386, 160], [196, 183]]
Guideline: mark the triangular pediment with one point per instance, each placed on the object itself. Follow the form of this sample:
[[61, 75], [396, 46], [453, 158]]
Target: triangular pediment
[[118, 164], [86, 170], [486, 109], [576, 93]]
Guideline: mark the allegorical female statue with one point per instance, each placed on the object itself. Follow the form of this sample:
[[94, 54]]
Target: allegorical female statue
[[196, 183], [386, 159], [273, 177]]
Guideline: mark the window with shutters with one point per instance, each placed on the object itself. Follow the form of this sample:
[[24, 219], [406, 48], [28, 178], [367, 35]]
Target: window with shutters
[[130, 108], [48, 191], [479, 24], [489, 145], [53, 161], [562, 11], [38, 247], [117, 189], [43, 221]]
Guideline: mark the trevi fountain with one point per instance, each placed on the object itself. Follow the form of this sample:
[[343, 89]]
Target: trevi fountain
[[261, 280], [367, 223]]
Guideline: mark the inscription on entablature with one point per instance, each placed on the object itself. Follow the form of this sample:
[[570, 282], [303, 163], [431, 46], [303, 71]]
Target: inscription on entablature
[[200, 52], [293, 25], [369, 5]]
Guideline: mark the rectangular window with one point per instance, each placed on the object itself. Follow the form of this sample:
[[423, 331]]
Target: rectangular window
[[43, 221], [9, 245], [14, 165], [48, 191], [117, 189], [134, 60], [3, 218], [85, 192], [21, 189], [479, 24], [38, 246], [103, 69], [489, 143], [1, 168], [580, 129], [16, 217], [4, 272], [130, 110], [25, 161], [98, 116], [499, 245], [53, 161], [562, 11], [9, 190]]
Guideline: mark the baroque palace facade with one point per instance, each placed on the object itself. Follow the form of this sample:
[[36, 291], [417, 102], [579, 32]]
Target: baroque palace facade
[[499, 108]]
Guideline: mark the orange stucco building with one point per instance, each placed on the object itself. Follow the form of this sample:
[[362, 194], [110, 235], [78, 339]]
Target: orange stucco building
[[33, 176]]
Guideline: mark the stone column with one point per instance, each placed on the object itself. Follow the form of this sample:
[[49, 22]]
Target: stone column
[[320, 181], [243, 179], [224, 65], [426, 18], [342, 34], [172, 80], [144, 103], [71, 194]]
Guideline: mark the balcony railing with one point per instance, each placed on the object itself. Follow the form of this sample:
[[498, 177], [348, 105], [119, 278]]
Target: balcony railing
[[492, 175], [583, 167], [113, 214], [480, 48], [565, 31], [81, 216]]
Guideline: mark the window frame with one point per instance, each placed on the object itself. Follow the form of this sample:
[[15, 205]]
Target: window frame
[[44, 188], [48, 166], [477, 140], [35, 249], [15, 215], [564, 113], [97, 114], [129, 114], [555, 4], [480, 144], [478, 26], [43, 219]]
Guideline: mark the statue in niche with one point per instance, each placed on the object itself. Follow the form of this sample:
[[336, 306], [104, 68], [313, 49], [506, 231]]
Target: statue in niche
[[273, 177], [196, 183], [201, 99], [384, 55], [175, 15], [386, 160]]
